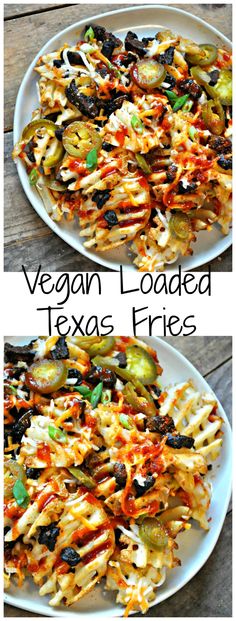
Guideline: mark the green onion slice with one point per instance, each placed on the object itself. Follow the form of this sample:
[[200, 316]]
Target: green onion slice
[[89, 34], [96, 395], [92, 160], [137, 124], [20, 494], [33, 176], [57, 434]]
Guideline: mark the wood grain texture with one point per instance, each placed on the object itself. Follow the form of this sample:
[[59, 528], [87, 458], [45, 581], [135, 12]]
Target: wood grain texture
[[205, 352], [27, 239], [203, 596]]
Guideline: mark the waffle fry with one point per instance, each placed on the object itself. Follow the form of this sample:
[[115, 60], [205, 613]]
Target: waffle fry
[[194, 415]]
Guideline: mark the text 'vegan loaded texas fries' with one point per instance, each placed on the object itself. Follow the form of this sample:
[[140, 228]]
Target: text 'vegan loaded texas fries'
[[103, 467], [133, 140]]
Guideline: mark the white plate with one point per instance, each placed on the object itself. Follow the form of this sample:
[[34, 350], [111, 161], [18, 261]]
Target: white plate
[[195, 545], [145, 21]]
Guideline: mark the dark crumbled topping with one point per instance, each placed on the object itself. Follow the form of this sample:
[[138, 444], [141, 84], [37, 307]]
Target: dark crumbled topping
[[19, 428], [74, 58], [107, 146], [60, 351], [214, 75], [220, 144], [98, 374], [100, 197], [59, 133], [70, 556], [111, 106], [76, 374], [141, 488], [58, 63], [89, 106], [167, 57], [225, 162], [171, 172], [15, 353], [191, 87], [170, 80], [132, 44], [160, 424], [179, 441], [111, 218], [101, 34], [33, 473], [122, 358], [108, 48], [120, 474], [190, 186], [48, 535]]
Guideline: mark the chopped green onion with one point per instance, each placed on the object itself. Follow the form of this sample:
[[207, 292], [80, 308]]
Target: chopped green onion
[[92, 159], [180, 102], [83, 478], [171, 96], [188, 106], [89, 34], [57, 434], [192, 131], [106, 396], [83, 390], [33, 176], [142, 163], [126, 421], [11, 387], [20, 494], [96, 395], [112, 67], [137, 124]]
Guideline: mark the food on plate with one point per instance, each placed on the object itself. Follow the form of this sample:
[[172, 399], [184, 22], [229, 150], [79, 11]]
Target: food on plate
[[104, 467], [132, 141]]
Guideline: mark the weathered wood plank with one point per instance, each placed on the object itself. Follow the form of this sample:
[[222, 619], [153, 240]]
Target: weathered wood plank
[[18, 10], [46, 24], [205, 352], [27, 238], [220, 381], [203, 596]]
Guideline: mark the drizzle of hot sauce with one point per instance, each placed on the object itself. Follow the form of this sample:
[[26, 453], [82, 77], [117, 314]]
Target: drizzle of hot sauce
[[108, 170], [43, 453], [77, 166], [197, 479], [90, 421], [143, 182], [165, 124], [130, 222], [94, 553], [44, 500], [33, 568], [13, 511], [120, 135]]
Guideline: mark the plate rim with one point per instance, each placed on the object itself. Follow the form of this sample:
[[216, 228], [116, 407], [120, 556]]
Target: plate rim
[[98, 258], [154, 341]]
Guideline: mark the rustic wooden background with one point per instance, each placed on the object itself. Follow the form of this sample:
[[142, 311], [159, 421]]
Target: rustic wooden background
[[208, 594], [27, 28]]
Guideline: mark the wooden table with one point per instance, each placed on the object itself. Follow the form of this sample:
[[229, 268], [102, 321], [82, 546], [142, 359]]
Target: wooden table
[[208, 594], [27, 27]]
